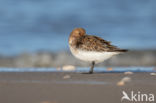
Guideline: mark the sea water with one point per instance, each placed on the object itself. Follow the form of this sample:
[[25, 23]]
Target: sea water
[[32, 25], [81, 69]]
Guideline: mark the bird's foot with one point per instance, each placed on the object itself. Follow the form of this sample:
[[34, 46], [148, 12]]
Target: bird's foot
[[90, 72]]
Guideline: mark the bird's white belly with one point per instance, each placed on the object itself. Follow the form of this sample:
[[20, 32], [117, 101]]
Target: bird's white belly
[[90, 56]]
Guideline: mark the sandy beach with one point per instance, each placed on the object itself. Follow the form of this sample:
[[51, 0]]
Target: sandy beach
[[38, 39], [64, 87]]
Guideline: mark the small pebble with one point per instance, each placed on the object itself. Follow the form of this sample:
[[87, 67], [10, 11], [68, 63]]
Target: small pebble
[[121, 83], [128, 73], [152, 73], [68, 68], [126, 79], [66, 77], [109, 69]]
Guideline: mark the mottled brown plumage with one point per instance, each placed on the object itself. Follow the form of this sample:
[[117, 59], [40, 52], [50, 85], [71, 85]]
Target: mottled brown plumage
[[79, 40]]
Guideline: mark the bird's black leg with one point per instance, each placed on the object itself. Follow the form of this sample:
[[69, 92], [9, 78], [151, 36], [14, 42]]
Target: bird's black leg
[[92, 68]]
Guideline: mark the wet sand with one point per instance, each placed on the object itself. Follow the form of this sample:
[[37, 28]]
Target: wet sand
[[67, 87]]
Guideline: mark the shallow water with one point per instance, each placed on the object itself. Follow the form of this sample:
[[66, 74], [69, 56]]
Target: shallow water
[[97, 69]]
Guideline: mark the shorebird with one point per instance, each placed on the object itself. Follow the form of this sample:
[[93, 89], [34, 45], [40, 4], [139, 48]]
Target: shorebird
[[91, 48]]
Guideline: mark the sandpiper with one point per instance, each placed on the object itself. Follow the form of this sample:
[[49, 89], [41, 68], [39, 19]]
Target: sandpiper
[[91, 48]]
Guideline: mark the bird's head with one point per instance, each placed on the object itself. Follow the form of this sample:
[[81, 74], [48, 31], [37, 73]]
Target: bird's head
[[76, 33]]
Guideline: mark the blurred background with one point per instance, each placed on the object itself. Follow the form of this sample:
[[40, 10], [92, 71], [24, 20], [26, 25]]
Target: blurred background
[[34, 33]]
